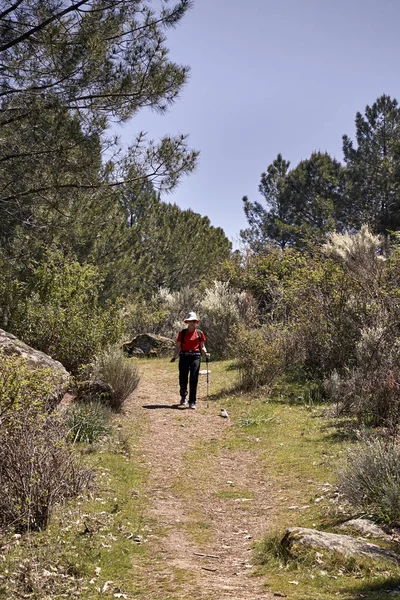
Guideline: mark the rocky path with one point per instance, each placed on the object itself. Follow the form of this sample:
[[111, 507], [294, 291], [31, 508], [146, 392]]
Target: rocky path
[[207, 499]]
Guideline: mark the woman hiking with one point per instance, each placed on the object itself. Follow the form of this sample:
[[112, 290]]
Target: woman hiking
[[189, 346]]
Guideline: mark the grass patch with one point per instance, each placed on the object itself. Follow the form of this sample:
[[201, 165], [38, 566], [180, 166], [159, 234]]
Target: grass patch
[[254, 421], [88, 422], [294, 453], [198, 529]]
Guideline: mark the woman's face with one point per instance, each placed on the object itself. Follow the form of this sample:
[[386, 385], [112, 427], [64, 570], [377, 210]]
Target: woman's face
[[191, 325]]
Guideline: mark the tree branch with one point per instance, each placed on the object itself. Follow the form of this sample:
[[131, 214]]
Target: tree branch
[[78, 186], [41, 26], [9, 10]]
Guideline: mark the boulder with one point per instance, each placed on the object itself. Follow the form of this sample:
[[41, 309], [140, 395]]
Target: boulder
[[136, 352], [12, 346], [332, 542], [149, 344], [367, 528]]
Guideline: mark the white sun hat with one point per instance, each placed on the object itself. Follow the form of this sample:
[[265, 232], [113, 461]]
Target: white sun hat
[[191, 317]]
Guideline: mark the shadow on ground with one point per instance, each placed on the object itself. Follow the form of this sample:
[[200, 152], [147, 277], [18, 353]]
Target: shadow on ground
[[163, 406], [232, 391], [341, 430], [374, 591]]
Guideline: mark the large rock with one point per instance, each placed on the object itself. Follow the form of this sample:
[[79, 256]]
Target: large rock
[[367, 528], [12, 346], [149, 344], [343, 544]]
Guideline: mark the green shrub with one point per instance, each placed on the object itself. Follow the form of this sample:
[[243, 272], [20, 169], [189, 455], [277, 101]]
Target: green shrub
[[318, 298], [88, 422], [263, 354], [144, 316], [121, 373], [22, 387], [371, 479], [371, 390], [59, 312], [222, 308], [326, 312]]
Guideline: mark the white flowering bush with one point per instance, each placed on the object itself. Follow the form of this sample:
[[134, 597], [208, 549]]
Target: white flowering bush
[[372, 345], [175, 306], [370, 388], [357, 253], [222, 309], [163, 314]]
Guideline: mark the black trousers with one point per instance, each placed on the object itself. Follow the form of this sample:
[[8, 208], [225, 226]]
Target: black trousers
[[189, 363]]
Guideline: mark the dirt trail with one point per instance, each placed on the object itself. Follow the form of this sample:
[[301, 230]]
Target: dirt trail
[[193, 502]]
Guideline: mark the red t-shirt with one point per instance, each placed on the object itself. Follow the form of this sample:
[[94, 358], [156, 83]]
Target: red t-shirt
[[191, 341]]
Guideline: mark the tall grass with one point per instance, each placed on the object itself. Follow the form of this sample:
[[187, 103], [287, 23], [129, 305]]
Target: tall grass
[[371, 479], [119, 372], [88, 422]]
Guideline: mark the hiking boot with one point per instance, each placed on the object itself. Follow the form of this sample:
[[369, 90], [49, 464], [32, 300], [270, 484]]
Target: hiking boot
[[183, 400], [192, 405]]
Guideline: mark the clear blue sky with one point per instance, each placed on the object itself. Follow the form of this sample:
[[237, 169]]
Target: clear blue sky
[[266, 77]]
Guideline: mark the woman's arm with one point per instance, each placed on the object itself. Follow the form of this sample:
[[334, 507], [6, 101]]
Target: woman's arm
[[203, 350], [176, 351]]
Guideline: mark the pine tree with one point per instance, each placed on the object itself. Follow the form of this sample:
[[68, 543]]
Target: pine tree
[[68, 70], [373, 168], [316, 188], [301, 205], [270, 223]]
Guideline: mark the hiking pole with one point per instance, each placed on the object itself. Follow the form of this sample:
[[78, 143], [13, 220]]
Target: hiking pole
[[207, 374]]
